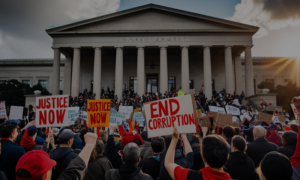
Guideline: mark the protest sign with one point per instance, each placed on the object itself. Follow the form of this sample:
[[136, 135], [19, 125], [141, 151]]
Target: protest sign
[[51, 111], [137, 110], [83, 115], [139, 117], [162, 114], [2, 110], [73, 114], [116, 118], [217, 109], [16, 112], [265, 117], [224, 120], [232, 110], [125, 109], [204, 121], [281, 118], [296, 113], [98, 111]]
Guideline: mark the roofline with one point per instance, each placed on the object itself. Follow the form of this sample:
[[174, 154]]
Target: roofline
[[147, 6]]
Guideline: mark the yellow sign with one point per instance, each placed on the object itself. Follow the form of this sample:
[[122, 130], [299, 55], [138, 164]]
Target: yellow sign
[[137, 110], [98, 112]]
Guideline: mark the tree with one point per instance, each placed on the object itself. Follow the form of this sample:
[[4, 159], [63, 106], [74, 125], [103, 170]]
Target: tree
[[266, 85]]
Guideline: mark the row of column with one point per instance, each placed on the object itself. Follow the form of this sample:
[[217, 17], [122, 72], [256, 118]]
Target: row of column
[[72, 71]]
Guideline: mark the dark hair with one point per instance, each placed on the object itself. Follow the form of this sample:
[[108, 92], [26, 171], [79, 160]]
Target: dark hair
[[157, 144], [138, 142], [7, 130], [228, 131], [168, 140], [237, 131], [215, 150], [239, 143]]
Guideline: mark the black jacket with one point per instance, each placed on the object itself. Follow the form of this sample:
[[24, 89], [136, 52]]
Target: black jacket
[[112, 152], [258, 149], [96, 170], [127, 172], [150, 166], [63, 157], [239, 166], [287, 150]]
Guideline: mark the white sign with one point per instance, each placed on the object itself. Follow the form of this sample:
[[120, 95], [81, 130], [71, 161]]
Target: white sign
[[296, 113], [16, 112], [83, 115], [217, 109], [52, 111], [161, 116], [116, 118], [232, 110], [139, 117], [236, 102], [3, 110], [73, 114], [128, 109]]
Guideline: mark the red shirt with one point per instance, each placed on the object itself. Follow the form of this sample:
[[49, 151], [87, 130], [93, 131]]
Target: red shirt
[[205, 174]]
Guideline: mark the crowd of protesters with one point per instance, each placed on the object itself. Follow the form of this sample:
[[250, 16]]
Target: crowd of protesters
[[256, 151]]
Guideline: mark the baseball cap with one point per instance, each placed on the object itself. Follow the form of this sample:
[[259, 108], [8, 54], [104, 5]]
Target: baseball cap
[[66, 134], [36, 163], [32, 130]]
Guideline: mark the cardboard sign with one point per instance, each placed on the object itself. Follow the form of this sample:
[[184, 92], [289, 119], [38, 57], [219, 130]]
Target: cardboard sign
[[161, 115], [214, 115], [139, 117], [217, 109], [281, 118], [2, 110], [296, 113], [224, 120], [116, 118], [265, 117], [73, 114], [232, 110], [204, 121], [51, 111], [16, 112], [128, 109], [98, 111]]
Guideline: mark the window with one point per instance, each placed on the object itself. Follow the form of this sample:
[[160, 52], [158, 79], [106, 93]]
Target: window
[[43, 83], [191, 84], [171, 83], [271, 81], [26, 82], [133, 83]]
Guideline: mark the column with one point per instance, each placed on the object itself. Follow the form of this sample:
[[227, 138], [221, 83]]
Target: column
[[163, 76], [56, 72], [238, 75], [207, 72], [249, 72], [185, 73], [97, 73], [76, 72], [67, 75], [119, 73], [141, 71], [228, 71]]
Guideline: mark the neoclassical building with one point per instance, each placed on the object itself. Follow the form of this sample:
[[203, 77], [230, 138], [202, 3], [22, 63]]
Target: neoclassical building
[[152, 48]]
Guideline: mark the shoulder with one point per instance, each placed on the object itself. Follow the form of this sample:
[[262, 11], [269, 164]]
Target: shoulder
[[112, 174], [144, 176]]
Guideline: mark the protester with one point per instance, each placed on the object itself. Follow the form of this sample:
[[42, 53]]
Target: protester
[[146, 151], [260, 146], [294, 128], [272, 135], [195, 144], [239, 166], [151, 165], [28, 140], [98, 164], [214, 150], [228, 132], [289, 141], [64, 153], [10, 151]]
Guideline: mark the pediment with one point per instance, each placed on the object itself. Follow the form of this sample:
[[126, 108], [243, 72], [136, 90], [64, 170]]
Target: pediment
[[154, 18]]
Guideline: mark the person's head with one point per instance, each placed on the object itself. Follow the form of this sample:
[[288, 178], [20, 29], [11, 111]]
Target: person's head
[[127, 138], [237, 131], [214, 151], [66, 137], [138, 140], [131, 154], [83, 131], [294, 128], [275, 166], [259, 132], [104, 135], [238, 143], [289, 138], [32, 132], [157, 145], [144, 136], [228, 132], [35, 165], [272, 129], [9, 131], [98, 150]]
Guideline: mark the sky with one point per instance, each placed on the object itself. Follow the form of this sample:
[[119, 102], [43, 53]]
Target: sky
[[23, 23]]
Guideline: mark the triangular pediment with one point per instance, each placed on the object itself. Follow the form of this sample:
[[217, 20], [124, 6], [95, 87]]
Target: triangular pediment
[[153, 18]]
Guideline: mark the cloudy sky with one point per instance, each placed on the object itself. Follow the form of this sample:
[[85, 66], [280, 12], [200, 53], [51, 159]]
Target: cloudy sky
[[23, 22]]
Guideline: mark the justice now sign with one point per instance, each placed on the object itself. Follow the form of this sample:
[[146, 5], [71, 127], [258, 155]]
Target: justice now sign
[[162, 115], [51, 111], [98, 112]]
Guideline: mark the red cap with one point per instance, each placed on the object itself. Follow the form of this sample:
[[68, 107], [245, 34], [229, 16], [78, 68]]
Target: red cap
[[138, 137], [36, 162], [127, 138], [287, 128]]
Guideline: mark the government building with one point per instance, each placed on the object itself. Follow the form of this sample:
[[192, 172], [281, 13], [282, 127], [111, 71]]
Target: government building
[[152, 48]]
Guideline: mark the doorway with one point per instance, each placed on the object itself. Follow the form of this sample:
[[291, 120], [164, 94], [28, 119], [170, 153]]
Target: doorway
[[152, 83]]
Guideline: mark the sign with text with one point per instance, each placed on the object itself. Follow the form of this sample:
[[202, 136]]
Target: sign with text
[[98, 112], [16, 112], [139, 117], [232, 110], [162, 114], [73, 114], [296, 113], [2, 110], [128, 109], [224, 120], [51, 111], [264, 117], [217, 109], [116, 118]]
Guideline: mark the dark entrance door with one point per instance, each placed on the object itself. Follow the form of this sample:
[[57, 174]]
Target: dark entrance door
[[152, 83]]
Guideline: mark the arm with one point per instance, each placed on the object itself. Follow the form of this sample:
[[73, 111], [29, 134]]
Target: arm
[[295, 159], [169, 160], [111, 150], [187, 146]]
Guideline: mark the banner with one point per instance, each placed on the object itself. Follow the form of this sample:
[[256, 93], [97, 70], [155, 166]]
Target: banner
[[232, 110], [265, 117], [98, 112], [224, 120], [295, 113], [139, 117], [16, 112], [217, 109], [73, 114], [128, 109], [51, 111], [83, 115], [235, 121], [162, 114], [116, 118], [2, 110]]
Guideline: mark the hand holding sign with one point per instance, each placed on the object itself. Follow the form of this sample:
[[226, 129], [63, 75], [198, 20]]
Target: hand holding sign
[[175, 133]]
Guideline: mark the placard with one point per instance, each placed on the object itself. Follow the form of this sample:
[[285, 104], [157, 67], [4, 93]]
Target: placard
[[116, 118], [232, 110], [162, 114], [16, 112], [51, 111], [73, 114], [98, 111], [204, 121], [224, 120], [83, 115], [265, 117], [128, 109], [137, 110], [2, 110], [296, 113], [139, 117], [217, 109]]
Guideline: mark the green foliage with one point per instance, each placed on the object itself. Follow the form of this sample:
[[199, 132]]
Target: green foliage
[[266, 85], [39, 87]]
